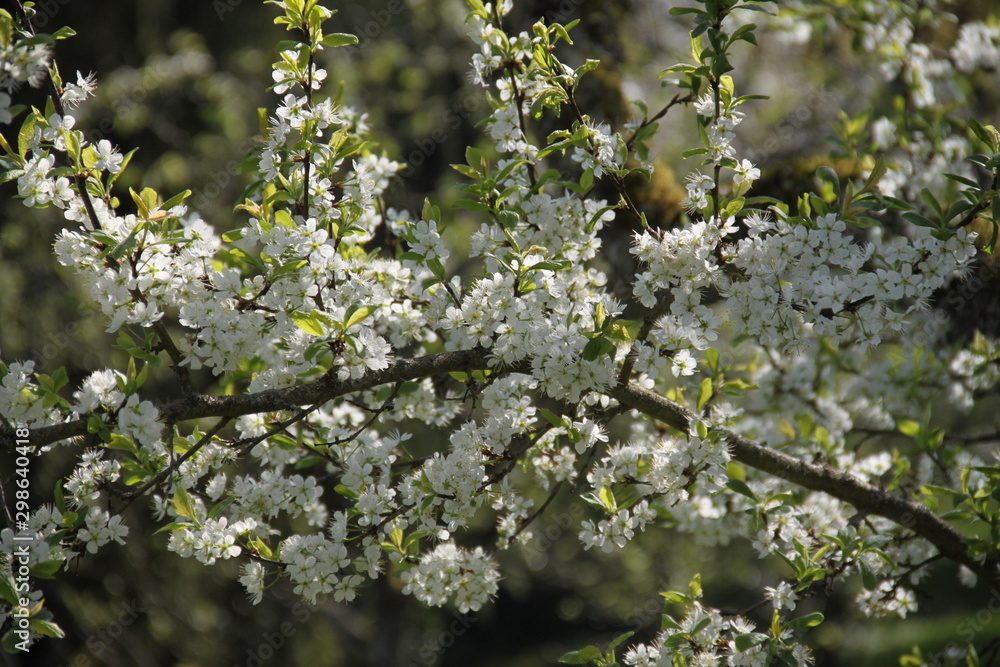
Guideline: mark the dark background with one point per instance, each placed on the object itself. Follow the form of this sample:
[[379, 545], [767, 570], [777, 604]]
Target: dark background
[[182, 81]]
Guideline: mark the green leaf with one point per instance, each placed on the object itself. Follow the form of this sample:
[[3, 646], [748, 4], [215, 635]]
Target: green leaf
[[47, 628], [345, 492], [748, 640], [607, 499], [470, 205], [146, 201], [121, 170], [712, 357], [10, 642], [582, 657], [283, 217], [25, 135], [807, 621], [308, 323], [477, 159], [8, 589], [64, 32], [830, 176], [261, 547], [739, 486], [619, 331], [436, 267], [678, 11], [596, 347], [182, 504], [677, 68], [919, 220], [868, 578], [219, 507], [339, 39], [987, 134], [120, 442], [908, 427], [935, 490], [356, 315], [73, 146], [60, 500], [176, 200], [46, 569], [787, 656], [694, 588], [676, 597], [618, 640], [704, 393], [552, 418], [174, 525]]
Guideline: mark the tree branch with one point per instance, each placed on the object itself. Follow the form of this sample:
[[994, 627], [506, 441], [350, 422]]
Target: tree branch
[[271, 400], [837, 483]]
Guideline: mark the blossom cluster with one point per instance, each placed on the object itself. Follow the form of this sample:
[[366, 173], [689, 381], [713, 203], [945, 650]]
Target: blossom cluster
[[449, 573], [785, 325]]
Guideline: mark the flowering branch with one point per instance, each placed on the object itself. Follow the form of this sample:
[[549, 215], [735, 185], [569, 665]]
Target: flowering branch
[[757, 313], [837, 483]]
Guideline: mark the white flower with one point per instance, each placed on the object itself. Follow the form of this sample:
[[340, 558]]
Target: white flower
[[683, 363], [101, 529], [75, 93], [782, 597], [467, 578], [107, 159], [253, 581], [746, 172]]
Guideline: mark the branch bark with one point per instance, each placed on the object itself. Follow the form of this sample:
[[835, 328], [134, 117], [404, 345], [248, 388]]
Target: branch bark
[[837, 483], [271, 400]]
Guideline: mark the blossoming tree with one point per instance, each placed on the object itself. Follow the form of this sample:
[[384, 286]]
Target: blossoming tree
[[776, 373]]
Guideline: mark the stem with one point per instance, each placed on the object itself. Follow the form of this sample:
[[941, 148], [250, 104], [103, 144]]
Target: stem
[[308, 153], [519, 101], [663, 302], [816, 477], [176, 464], [839, 484], [630, 142], [618, 182], [79, 180]]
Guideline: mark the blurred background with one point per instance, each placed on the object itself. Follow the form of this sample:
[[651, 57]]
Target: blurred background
[[182, 80]]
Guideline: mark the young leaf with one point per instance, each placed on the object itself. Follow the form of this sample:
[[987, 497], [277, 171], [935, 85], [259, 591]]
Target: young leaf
[[308, 323], [339, 39], [356, 315]]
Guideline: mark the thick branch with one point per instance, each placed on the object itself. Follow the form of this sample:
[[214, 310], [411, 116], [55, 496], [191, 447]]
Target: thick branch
[[271, 400], [836, 483]]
